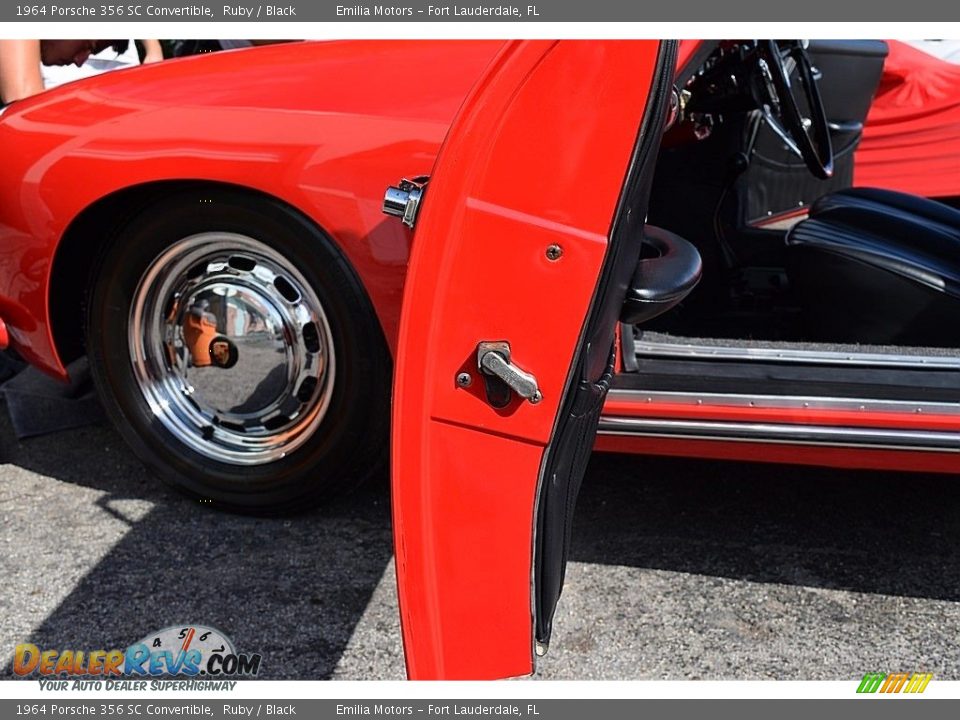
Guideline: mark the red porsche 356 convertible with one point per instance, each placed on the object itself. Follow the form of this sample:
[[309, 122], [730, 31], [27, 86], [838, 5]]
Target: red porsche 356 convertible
[[651, 241]]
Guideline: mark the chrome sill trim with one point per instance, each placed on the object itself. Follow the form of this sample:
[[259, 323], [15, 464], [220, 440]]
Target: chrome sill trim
[[874, 438], [647, 349], [813, 402]]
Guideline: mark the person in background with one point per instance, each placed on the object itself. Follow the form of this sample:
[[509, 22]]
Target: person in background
[[101, 62], [20, 62]]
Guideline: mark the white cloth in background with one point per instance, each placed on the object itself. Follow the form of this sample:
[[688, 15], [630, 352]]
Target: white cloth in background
[[103, 61], [948, 50]]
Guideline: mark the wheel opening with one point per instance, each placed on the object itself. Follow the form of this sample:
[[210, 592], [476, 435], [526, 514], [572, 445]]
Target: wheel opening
[[239, 262], [306, 389], [276, 422], [311, 337], [286, 288]]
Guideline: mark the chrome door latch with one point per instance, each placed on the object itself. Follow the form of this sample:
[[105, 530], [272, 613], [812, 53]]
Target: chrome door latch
[[403, 201], [501, 377]]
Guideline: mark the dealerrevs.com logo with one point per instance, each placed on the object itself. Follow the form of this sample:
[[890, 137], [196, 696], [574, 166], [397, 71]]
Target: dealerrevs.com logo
[[192, 651], [909, 683]]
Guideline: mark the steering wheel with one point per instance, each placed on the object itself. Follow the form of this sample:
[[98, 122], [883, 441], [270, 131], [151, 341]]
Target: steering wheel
[[808, 138]]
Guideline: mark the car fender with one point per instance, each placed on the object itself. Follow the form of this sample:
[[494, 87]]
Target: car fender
[[314, 125]]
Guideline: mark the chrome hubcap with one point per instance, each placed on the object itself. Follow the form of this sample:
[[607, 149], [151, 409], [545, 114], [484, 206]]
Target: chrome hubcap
[[231, 348]]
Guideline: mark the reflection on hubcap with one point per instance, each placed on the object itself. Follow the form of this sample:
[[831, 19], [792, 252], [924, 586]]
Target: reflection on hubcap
[[231, 348]]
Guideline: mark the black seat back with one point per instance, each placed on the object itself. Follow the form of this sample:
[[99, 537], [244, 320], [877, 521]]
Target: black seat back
[[879, 267]]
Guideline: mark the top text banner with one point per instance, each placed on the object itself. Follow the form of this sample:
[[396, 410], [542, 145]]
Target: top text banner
[[578, 11]]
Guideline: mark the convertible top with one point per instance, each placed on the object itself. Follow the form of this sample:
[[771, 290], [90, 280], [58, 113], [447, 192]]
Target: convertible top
[[911, 141]]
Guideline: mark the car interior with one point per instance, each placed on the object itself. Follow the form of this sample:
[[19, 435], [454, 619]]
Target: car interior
[[809, 287]]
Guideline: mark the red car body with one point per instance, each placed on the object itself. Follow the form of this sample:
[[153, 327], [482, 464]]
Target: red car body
[[462, 519], [127, 137], [301, 124], [535, 160], [295, 122]]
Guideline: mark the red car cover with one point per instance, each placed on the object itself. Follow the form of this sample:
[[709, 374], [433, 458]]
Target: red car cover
[[911, 141]]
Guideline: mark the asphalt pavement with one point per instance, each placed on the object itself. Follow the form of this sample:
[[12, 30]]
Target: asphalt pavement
[[680, 569]]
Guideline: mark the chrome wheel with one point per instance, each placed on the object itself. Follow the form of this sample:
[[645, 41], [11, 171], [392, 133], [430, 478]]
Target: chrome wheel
[[231, 348]]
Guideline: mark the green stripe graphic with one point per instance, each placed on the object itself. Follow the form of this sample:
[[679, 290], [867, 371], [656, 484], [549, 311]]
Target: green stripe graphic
[[871, 682]]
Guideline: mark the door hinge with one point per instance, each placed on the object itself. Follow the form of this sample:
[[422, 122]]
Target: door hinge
[[403, 201]]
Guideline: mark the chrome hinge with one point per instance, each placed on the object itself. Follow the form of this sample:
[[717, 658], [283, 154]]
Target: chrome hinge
[[403, 201]]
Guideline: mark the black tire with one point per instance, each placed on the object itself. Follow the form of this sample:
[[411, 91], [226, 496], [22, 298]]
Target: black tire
[[351, 440]]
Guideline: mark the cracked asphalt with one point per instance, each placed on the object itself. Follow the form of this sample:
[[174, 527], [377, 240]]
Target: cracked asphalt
[[680, 569]]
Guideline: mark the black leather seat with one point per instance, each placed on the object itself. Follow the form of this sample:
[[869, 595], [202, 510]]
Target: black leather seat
[[879, 267]]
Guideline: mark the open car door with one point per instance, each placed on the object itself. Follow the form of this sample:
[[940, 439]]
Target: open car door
[[525, 250]]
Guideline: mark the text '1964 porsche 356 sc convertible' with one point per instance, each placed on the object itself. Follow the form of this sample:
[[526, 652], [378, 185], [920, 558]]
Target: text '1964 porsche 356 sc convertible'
[[638, 246]]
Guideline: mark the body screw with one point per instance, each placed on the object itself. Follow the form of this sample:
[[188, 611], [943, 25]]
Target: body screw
[[464, 380], [554, 252]]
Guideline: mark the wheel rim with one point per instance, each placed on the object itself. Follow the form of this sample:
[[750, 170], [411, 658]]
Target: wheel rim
[[231, 348]]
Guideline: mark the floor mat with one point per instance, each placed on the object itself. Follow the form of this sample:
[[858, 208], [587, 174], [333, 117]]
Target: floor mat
[[901, 350]]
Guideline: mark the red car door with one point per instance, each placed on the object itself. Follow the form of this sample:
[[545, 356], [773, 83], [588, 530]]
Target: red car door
[[528, 236]]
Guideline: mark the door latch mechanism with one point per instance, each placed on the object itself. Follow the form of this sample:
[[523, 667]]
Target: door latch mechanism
[[403, 201], [501, 377]]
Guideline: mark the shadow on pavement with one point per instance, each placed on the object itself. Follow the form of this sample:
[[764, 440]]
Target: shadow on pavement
[[290, 589], [864, 531], [294, 589]]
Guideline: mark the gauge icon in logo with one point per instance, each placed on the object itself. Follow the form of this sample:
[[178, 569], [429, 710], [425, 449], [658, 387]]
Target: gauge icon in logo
[[180, 650]]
